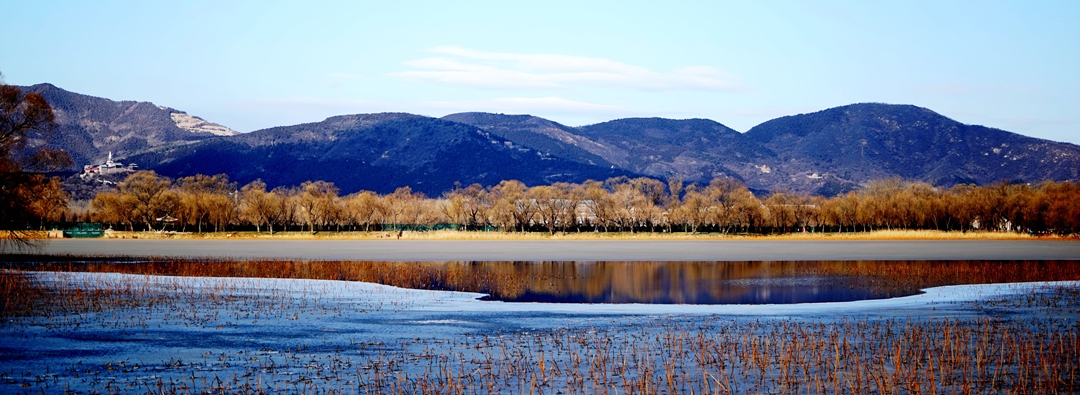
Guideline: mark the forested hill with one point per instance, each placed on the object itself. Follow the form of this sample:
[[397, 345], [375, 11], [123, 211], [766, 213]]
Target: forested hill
[[868, 141], [690, 149], [549, 137], [377, 152], [694, 150], [89, 127], [826, 152]]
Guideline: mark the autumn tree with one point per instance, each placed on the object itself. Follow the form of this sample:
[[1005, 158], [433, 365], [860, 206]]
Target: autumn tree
[[599, 203], [405, 207], [804, 211], [1062, 214], [781, 211], [365, 208], [512, 201], [318, 203], [290, 206], [259, 207], [750, 213], [632, 206], [694, 209], [844, 209], [151, 196], [724, 194], [552, 207], [48, 201], [477, 203], [22, 117], [206, 200], [114, 208]]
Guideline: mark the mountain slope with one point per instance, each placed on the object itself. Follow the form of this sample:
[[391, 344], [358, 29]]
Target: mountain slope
[[826, 152], [867, 141], [695, 150], [89, 127], [543, 135], [378, 152], [691, 149]]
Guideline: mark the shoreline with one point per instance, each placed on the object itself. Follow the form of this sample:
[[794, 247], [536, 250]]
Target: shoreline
[[569, 250], [877, 235]]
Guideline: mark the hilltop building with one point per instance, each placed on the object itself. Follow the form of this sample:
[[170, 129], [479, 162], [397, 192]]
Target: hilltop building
[[108, 167]]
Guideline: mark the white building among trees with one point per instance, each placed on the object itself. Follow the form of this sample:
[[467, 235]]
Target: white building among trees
[[108, 167]]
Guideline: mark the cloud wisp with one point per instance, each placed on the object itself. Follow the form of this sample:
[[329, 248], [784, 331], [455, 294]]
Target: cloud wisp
[[504, 70], [517, 105], [294, 110]]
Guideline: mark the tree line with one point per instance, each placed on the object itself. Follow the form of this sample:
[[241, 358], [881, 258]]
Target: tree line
[[148, 201], [27, 196]]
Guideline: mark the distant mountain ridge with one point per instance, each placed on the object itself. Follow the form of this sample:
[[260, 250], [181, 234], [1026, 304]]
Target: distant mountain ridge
[[825, 152], [538, 133], [872, 140], [89, 127], [377, 152]]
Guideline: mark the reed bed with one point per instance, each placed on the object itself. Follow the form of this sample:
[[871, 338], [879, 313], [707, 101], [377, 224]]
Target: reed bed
[[1035, 352], [70, 301], [1021, 344]]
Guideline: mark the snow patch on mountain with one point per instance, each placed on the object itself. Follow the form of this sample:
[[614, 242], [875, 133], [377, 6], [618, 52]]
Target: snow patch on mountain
[[195, 124]]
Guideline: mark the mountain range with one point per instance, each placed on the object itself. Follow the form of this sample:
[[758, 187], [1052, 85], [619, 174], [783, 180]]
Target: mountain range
[[89, 127], [825, 152]]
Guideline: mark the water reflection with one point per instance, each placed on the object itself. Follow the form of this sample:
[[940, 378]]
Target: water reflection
[[608, 282], [686, 283], [747, 282]]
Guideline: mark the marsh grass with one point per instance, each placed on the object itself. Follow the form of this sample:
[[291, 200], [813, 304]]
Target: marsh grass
[[1036, 354], [1017, 344]]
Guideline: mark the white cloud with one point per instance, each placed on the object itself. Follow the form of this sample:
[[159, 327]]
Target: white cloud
[[340, 106], [463, 66], [294, 110], [527, 105]]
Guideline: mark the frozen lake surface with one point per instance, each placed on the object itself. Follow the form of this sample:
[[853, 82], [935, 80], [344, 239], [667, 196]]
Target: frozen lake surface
[[304, 336], [622, 250]]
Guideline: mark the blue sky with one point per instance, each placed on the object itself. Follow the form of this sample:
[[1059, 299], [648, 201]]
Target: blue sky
[[257, 64]]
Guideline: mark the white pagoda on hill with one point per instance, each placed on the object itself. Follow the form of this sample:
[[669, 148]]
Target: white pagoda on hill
[[109, 167]]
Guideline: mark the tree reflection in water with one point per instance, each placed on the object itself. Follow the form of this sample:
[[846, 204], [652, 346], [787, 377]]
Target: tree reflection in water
[[610, 282]]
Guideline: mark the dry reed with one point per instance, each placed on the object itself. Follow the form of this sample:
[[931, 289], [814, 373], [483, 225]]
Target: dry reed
[[1024, 344]]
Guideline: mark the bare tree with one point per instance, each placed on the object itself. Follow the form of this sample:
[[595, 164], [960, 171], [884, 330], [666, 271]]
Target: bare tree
[[599, 203], [114, 208], [452, 207], [22, 115], [630, 205], [550, 205], [512, 195], [694, 210], [259, 207], [151, 194], [405, 207], [477, 201], [48, 201], [781, 211], [318, 204], [207, 199], [365, 208]]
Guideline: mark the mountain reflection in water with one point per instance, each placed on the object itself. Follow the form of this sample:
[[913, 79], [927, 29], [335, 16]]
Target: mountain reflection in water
[[756, 282], [686, 283]]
